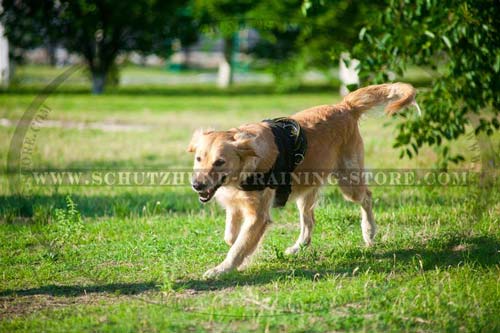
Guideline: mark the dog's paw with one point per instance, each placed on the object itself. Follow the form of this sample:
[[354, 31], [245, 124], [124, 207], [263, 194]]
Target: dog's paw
[[244, 265], [369, 238], [216, 271], [292, 250], [369, 243]]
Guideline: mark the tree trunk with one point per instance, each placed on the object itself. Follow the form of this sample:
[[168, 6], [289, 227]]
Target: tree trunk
[[5, 74], [187, 54], [98, 82], [51, 53], [225, 75]]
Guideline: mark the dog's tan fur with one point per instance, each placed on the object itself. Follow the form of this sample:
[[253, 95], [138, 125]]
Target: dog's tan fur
[[334, 143]]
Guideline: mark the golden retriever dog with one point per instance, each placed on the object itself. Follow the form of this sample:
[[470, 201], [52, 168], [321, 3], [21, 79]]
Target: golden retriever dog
[[333, 143]]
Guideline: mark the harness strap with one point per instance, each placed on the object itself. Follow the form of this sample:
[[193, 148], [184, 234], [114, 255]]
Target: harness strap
[[292, 145]]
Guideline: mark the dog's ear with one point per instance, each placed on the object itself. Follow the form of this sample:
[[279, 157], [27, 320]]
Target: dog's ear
[[245, 144], [196, 137], [194, 140]]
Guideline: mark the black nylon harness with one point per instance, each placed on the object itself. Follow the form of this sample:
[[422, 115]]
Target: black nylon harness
[[292, 145]]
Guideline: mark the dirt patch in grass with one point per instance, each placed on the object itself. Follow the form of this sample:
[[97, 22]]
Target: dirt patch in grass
[[13, 306], [22, 305]]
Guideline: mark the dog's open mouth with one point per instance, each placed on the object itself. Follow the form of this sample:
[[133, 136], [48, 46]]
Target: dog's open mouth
[[207, 195]]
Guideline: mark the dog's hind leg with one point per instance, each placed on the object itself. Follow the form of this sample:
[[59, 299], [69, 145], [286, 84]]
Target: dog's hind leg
[[368, 226], [305, 204], [354, 188], [362, 195]]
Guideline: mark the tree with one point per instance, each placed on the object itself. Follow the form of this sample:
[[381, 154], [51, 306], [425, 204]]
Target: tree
[[459, 40], [303, 34], [97, 29], [4, 58], [186, 29], [29, 24], [225, 18]]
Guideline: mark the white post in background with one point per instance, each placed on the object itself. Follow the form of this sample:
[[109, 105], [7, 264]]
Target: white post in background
[[347, 74], [224, 74], [4, 58]]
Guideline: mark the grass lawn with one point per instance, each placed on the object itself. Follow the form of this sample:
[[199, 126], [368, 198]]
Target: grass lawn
[[131, 258]]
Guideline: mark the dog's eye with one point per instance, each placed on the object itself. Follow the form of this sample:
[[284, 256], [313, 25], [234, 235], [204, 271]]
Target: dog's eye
[[219, 162], [198, 159]]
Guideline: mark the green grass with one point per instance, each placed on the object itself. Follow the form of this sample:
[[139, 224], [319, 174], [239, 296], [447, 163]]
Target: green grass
[[132, 258]]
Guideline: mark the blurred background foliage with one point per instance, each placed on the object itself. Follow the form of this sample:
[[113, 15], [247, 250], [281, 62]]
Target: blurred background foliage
[[459, 43], [456, 42]]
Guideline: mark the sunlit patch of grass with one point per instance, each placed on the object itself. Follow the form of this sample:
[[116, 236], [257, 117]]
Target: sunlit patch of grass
[[131, 258]]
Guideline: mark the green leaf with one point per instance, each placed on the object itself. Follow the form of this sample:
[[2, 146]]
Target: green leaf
[[362, 33], [496, 66], [352, 87], [415, 148], [430, 34], [305, 7], [446, 41]]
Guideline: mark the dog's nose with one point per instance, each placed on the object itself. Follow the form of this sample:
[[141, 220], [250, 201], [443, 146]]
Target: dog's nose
[[199, 186]]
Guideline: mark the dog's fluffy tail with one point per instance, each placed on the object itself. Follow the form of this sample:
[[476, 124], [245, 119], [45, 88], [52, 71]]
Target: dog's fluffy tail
[[395, 95]]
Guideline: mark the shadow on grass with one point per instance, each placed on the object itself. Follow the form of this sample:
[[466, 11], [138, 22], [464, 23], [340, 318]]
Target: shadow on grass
[[39, 208], [113, 288], [130, 203], [440, 253], [397, 197], [436, 253]]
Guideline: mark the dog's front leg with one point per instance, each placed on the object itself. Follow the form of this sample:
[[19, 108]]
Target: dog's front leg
[[250, 234], [233, 225]]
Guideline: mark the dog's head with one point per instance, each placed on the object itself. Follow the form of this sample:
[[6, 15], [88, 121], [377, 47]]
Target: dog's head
[[220, 156]]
